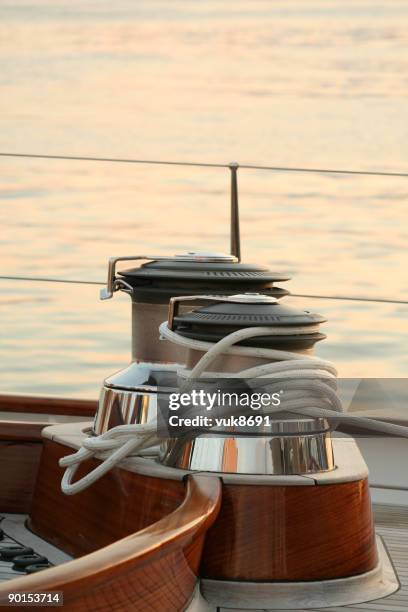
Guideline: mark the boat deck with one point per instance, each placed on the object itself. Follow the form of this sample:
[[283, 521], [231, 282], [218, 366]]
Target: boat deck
[[15, 533]]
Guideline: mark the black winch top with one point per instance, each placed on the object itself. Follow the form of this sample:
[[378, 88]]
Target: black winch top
[[215, 321], [197, 273]]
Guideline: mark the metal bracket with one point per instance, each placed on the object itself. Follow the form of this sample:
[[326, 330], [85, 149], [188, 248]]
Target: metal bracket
[[113, 284]]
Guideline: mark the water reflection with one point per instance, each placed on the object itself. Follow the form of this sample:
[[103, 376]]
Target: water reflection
[[292, 83]]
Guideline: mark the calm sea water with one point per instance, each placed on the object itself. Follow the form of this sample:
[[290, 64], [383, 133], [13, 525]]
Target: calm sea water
[[309, 83]]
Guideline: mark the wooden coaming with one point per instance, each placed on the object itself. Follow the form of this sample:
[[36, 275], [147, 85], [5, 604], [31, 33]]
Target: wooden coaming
[[262, 532], [118, 504], [20, 450], [152, 570], [19, 464], [48, 405], [267, 533]]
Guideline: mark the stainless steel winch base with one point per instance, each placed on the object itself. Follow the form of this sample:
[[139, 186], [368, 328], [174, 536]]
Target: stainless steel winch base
[[280, 454], [380, 582], [122, 407], [129, 397]]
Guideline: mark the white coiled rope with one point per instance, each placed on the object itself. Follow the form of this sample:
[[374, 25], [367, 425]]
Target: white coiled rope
[[310, 390]]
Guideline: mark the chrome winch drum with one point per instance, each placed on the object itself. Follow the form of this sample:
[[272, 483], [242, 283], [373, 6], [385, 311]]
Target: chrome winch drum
[[291, 443], [129, 396], [288, 447]]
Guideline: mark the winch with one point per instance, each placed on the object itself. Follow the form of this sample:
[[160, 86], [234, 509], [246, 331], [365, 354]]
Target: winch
[[267, 345], [129, 396]]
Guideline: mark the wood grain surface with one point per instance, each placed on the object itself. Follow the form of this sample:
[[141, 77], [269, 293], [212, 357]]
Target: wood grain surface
[[20, 450], [47, 405], [22, 431], [291, 533], [117, 505], [19, 463], [152, 570], [262, 532]]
